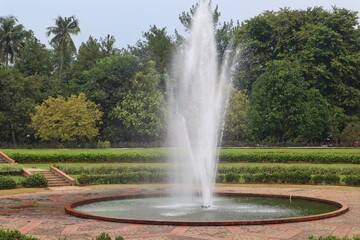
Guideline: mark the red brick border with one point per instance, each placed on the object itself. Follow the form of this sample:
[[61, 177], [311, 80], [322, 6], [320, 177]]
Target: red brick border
[[342, 208]]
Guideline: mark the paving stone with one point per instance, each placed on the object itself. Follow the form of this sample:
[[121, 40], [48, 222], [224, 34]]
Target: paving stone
[[42, 215]]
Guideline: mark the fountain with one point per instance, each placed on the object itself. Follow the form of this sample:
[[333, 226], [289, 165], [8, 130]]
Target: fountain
[[197, 107], [197, 100]]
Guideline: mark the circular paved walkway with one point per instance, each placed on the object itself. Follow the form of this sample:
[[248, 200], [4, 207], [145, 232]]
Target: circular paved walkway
[[42, 215]]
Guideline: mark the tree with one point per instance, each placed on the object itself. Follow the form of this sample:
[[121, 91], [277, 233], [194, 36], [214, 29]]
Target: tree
[[107, 45], [141, 111], [285, 109], [236, 120], [223, 32], [89, 53], [72, 119], [325, 43], [12, 38], [157, 47], [62, 41], [351, 133], [106, 84], [18, 96], [34, 59]]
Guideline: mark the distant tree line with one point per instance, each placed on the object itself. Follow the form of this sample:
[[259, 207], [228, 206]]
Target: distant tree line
[[297, 81]]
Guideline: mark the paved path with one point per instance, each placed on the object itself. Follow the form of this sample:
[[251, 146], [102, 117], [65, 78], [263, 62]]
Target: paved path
[[42, 215]]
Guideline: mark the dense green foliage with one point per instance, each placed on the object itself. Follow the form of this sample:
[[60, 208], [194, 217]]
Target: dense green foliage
[[35, 180], [7, 183], [14, 235], [10, 169], [70, 119], [296, 83], [106, 236], [160, 155]]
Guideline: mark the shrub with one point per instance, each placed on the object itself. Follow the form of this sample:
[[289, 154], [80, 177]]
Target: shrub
[[352, 180], [14, 235], [294, 177], [220, 178], [326, 179], [283, 177], [232, 177], [357, 237], [7, 183], [103, 144], [35, 180], [103, 236]]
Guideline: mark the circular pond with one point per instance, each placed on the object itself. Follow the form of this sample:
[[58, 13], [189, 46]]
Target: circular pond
[[227, 209]]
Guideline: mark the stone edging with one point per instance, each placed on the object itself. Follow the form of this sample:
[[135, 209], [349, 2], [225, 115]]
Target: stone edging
[[69, 209]]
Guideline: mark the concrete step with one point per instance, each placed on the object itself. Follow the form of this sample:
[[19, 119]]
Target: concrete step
[[53, 179]]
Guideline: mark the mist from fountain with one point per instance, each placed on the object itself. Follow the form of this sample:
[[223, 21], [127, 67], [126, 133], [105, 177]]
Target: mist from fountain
[[197, 104]]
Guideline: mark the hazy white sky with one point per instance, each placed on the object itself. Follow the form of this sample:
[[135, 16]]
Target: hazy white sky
[[128, 19]]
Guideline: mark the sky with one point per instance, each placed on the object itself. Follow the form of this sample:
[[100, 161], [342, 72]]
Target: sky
[[127, 20]]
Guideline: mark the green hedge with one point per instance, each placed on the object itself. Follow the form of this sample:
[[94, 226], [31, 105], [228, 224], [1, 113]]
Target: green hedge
[[123, 178], [60, 157], [10, 169], [159, 155], [229, 156], [7, 183], [326, 179], [352, 180], [280, 177], [109, 169]]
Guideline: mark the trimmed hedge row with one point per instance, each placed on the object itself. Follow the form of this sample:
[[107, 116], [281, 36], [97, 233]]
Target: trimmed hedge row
[[122, 178], [89, 157], [240, 169], [290, 157], [280, 177], [161, 156], [108, 169], [274, 168], [10, 169]]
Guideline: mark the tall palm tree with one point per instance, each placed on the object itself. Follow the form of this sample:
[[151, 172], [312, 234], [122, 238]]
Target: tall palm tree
[[12, 38], [62, 41]]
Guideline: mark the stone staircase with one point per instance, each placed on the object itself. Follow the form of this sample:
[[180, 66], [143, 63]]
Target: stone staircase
[[55, 178], [5, 159]]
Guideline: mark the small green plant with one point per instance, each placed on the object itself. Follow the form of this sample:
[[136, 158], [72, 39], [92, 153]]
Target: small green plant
[[103, 144], [106, 236], [14, 235], [7, 183], [357, 237], [35, 180]]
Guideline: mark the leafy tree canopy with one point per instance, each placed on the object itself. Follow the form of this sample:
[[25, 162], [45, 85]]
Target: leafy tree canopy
[[75, 118]]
